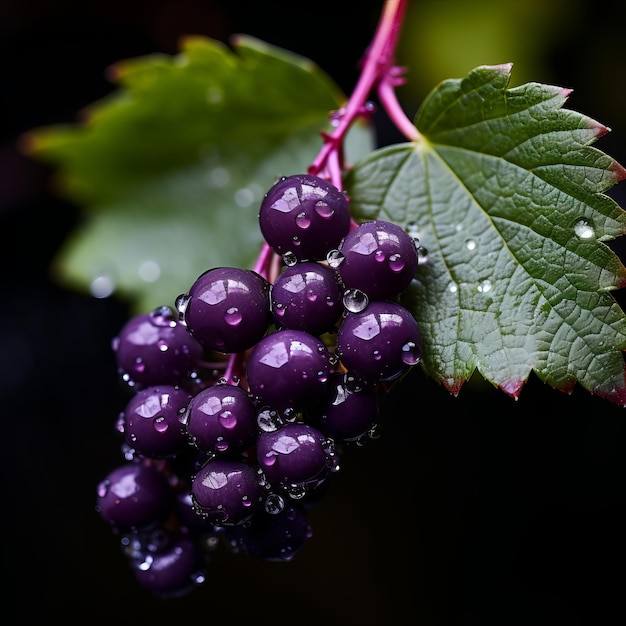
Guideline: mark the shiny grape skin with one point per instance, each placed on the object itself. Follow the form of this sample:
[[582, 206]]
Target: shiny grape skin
[[380, 343], [288, 369], [379, 258], [307, 296], [155, 348], [295, 454], [153, 421], [349, 412], [134, 496], [227, 492], [222, 419], [304, 215], [227, 309]]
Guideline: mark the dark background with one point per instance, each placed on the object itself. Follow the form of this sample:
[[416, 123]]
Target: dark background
[[470, 510]]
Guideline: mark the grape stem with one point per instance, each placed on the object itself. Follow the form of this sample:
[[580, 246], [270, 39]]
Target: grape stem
[[380, 75]]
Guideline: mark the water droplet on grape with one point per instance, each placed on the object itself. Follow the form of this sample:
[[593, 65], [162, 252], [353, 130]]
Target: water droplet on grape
[[396, 263], [268, 420], [411, 354], [324, 210], [302, 220], [274, 504], [355, 300], [335, 258], [233, 316], [290, 259], [379, 255], [228, 419], [181, 304], [160, 425]]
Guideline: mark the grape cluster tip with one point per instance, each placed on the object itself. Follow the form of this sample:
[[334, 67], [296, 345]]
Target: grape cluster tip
[[244, 391]]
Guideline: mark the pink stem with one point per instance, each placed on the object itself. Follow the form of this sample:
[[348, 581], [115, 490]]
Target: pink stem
[[378, 73]]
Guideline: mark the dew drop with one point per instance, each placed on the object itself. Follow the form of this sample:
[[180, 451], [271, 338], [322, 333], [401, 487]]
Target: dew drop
[[290, 259], [302, 220], [335, 258], [181, 304], [233, 316], [584, 229], [160, 424], [323, 210], [485, 286], [379, 255], [355, 300], [470, 244], [228, 419], [453, 288], [274, 504], [162, 345], [311, 296], [396, 263], [411, 353]]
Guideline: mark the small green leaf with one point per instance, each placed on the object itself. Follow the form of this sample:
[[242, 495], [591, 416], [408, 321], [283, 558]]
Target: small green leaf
[[171, 168], [506, 196]]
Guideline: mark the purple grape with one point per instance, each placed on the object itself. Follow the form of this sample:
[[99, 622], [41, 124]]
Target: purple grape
[[153, 421], [154, 348], [222, 419], [307, 296], [380, 343], [295, 455], [173, 571], [274, 537], [227, 309], [288, 369], [134, 496], [227, 492], [379, 259], [350, 411], [305, 216]]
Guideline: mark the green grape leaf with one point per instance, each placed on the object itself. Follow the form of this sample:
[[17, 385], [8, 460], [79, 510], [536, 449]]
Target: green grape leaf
[[506, 195], [170, 169]]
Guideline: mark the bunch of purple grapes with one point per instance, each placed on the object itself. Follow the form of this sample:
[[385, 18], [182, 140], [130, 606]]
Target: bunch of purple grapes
[[243, 391]]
